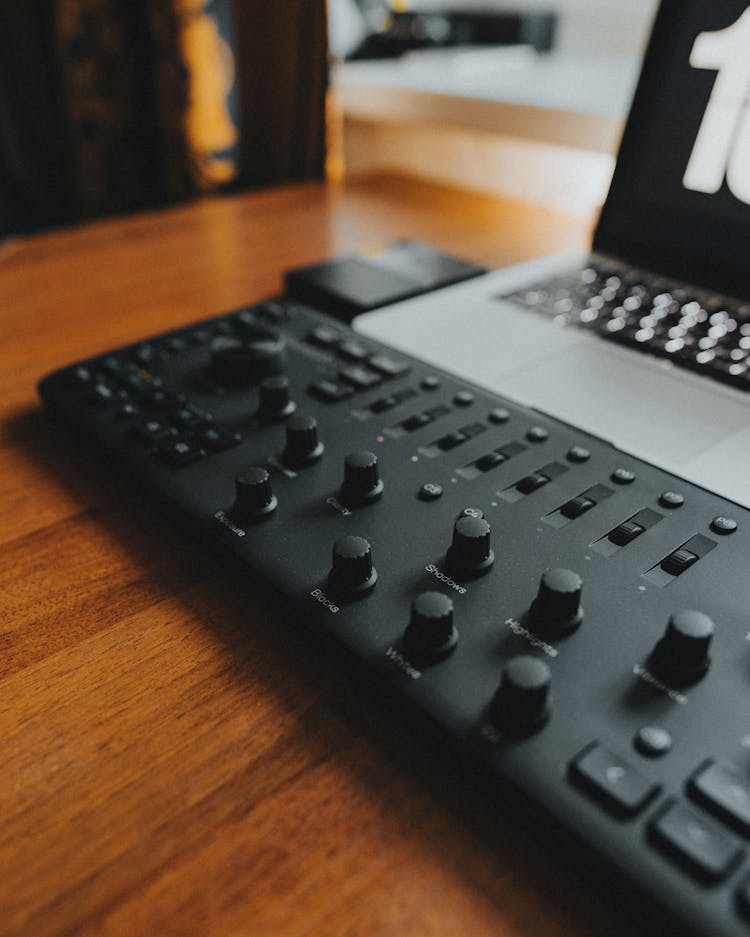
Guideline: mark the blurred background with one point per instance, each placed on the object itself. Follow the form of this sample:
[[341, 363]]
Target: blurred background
[[108, 106]]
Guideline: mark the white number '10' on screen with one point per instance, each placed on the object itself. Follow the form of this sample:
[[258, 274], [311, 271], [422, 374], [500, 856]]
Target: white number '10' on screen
[[722, 147]]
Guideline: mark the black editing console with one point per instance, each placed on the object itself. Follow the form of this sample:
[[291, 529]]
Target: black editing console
[[572, 621]]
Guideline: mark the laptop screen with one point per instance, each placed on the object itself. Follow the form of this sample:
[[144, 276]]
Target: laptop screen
[[680, 197]]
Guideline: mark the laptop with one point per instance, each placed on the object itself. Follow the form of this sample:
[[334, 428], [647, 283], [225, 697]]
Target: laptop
[[645, 340]]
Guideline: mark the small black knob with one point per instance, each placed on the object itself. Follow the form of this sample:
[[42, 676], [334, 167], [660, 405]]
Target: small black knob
[[556, 610], [352, 574], [254, 498], [236, 362], [430, 634], [274, 398], [521, 703], [362, 482], [470, 553], [681, 656], [302, 443]]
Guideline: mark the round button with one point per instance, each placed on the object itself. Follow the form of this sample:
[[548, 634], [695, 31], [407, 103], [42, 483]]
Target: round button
[[274, 398], [239, 361], [302, 443], [430, 382], [352, 574], [470, 553], [362, 483], [499, 415], [723, 525], [254, 499], [671, 499], [622, 476], [430, 634], [537, 434], [652, 741], [521, 703], [578, 454], [681, 656], [556, 610], [430, 491], [464, 398]]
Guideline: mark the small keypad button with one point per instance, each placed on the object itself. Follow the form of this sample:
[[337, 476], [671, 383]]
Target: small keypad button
[[330, 391], [152, 430], [578, 454], [537, 434], [489, 461], [353, 351], [430, 491], [430, 382], [622, 476], [671, 499], [652, 741], [723, 525], [79, 377], [703, 847], [128, 410], [463, 398], [176, 344], [217, 439], [324, 337], [725, 791], [499, 415], [360, 378], [612, 780], [180, 451], [389, 367], [101, 394]]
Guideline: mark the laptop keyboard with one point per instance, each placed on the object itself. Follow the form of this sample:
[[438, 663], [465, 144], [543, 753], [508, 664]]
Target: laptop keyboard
[[695, 329]]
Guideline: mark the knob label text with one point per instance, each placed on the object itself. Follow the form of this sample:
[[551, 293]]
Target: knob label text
[[222, 518], [517, 628], [649, 678], [446, 580], [321, 597]]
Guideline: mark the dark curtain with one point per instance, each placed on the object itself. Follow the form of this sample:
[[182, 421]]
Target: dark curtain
[[109, 106]]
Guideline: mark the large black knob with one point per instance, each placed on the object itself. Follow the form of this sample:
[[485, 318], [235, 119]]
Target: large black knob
[[254, 500], [430, 634], [556, 610], [302, 443], [681, 656], [352, 574], [521, 703], [362, 482], [470, 553], [274, 401], [236, 362]]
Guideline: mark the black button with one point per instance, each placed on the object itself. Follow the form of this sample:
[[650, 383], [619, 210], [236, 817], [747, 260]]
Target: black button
[[152, 430], [176, 344], [127, 410], [101, 394], [79, 377], [354, 351], [676, 563], [382, 404], [464, 398], [180, 451], [113, 365], [430, 491], [143, 354], [491, 460], [578, 454], [216, 438], [627, 531], [725, 791], [671, 499], [723, 525], [622, 476], [430, 382], [707, 850], [416, 422], [272, 311], [200, 336], [157, 399], [360, 378], [611, 779], [499, 415], [324, 337], [190, 416], [531, 483], [577, 506], [537, 434], [389, 367], [330, 391], [451, 440], [139, 382], [652, 741]]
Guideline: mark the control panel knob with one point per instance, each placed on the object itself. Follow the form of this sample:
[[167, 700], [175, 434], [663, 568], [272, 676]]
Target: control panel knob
[[556, 610], [521, 703], [275, 403], [681, 656], [470, 553], [254, 499], [362, 482], [236, 362], [302, 443], [430, 634], [352, 574]]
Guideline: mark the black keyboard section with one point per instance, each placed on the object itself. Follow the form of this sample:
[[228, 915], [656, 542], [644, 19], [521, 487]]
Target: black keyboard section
[[708, 333], [569, 620]]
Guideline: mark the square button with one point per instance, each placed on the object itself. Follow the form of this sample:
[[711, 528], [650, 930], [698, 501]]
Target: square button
[[725, 791], [612, 780], [708, 852]]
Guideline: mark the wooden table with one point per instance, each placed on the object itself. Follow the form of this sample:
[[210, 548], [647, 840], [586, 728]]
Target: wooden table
[[175, 759]]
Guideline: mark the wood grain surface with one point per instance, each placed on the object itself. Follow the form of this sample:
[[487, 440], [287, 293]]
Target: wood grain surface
[[174, 758]]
